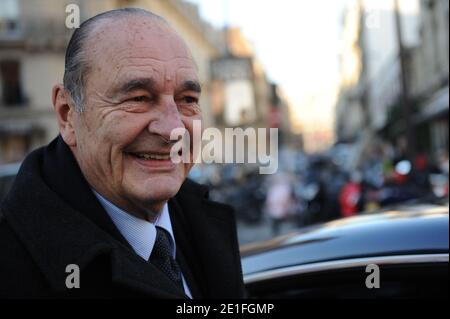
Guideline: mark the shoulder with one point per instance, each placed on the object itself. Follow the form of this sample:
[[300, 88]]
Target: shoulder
[[6, 232], [196, 192], [19, 275], [195, 196], [10, 246], [194, 188]]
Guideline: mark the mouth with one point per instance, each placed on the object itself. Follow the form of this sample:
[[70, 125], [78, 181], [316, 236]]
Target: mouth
[[152, 159], [151, 156]]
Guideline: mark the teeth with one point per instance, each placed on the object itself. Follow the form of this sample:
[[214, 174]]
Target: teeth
[[153, 156]]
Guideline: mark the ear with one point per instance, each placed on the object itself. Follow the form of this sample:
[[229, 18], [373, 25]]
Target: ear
[[65, 114]]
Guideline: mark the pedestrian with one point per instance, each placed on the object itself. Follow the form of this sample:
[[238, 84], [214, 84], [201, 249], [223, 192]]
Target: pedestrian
[[278, 202], [350, 195]]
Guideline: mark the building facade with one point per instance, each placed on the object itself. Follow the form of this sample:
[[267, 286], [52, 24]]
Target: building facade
[[373, 99]]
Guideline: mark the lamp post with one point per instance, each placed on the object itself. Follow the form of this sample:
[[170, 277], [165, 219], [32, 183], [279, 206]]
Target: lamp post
[[404, 95]]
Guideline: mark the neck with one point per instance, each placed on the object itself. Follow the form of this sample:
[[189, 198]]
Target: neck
[[149, 212]]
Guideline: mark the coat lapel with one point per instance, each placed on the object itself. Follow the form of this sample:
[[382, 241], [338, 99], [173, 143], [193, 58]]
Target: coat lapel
[[186, 256], [214, 242]]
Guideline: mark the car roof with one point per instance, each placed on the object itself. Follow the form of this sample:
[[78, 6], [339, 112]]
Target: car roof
[[405, 230]]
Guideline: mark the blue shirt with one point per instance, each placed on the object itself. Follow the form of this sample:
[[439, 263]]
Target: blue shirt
[[139, 233]]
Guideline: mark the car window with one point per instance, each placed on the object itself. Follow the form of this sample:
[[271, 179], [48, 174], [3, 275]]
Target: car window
[[399, 281]]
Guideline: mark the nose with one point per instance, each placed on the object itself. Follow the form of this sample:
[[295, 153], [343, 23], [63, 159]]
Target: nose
[[167, 119]]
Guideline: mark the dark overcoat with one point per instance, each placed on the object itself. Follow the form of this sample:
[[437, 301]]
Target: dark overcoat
[[51, 219]]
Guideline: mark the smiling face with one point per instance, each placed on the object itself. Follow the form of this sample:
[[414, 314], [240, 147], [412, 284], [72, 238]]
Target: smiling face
[[142, 83]]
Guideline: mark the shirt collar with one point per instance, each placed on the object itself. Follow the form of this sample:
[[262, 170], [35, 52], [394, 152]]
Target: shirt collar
[[139, 233]]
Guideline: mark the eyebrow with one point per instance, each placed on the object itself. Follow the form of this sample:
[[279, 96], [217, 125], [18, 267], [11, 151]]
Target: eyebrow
[[147, 84], [136, 84], [191, 86]]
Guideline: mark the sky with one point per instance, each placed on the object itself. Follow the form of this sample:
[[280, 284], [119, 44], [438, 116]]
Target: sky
[[298, 43]]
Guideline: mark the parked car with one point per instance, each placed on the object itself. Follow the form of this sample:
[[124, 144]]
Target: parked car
[[409, 246], [7, 175]]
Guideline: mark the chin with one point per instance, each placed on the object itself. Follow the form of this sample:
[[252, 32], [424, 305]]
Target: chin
[[160, 188]]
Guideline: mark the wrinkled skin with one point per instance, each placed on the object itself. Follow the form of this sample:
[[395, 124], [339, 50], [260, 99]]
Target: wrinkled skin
[[118, 122]]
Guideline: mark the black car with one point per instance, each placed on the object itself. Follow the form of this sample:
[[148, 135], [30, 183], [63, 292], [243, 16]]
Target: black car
[[400, 253]]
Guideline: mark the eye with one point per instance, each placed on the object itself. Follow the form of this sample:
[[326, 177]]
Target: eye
[[190, 100], [140, 99]]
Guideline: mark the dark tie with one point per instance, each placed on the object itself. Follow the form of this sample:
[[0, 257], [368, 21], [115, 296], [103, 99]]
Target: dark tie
[[162, 258]]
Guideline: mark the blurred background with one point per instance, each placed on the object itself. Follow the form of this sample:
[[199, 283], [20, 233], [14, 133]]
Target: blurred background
[[357, 89]]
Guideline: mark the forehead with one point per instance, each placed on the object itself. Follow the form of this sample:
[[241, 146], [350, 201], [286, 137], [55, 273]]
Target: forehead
[[139, 45]]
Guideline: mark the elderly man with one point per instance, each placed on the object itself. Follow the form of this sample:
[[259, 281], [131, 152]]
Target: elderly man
[[103, 211]]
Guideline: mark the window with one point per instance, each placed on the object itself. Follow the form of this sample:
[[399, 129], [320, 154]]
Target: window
[[10, 83], [397, 281]]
